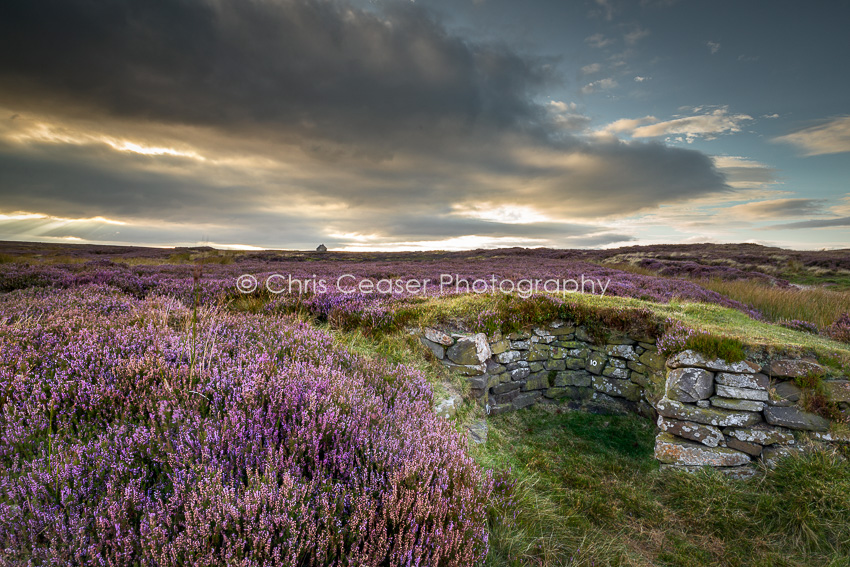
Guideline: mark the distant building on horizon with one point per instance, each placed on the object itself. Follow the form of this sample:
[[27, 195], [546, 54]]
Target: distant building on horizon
[[321, 248]]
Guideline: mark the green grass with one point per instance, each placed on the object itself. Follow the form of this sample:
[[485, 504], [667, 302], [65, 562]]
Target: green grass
[[588, 492]]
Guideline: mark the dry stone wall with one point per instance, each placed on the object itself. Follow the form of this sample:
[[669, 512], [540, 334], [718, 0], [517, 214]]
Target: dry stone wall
[[708, 412]]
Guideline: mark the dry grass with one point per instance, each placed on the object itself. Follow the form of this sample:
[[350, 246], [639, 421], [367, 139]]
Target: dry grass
[[814, 304]]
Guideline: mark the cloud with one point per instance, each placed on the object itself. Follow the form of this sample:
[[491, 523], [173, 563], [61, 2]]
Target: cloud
[[635, 35], [598, 40], [707, 125], [776, 209], [606, 9], [640, 79], [601, 84], [818, 223], [831, 137], [743, 173], [379, 131], [590, 69], [713, 46]]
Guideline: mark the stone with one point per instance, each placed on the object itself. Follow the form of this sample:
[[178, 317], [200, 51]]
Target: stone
[[617, 363], [521, 345], [693, 358], [707, 416], [478, 382], [762, 434], [752, 449], [595, 363], [832, 436], [771, 456], [613, 372], [689, 384], [508, 356], [583, 335], [518, 364], [519, 335], [507, 397], [478, 431], [838, 390], [537, 382], [437, 350], [470, 350], [787, 391], [466, 369], [520, 374], [526, 399], [733, 404], [537, 352], [561, 330], [494, 367], [639, 378], [673, 450], [447, 408], [653, 359], [792, 368], [536, 366], [555, 364], [575, 363], [637, 367], [741, 393], [795, 418], [506, 387], [573, 378], [500, 409], [570, 392], [703, 404], [557, 352], [437, 336], [626, 351], [617, 388], [752, 381], [708, 435], [498, 347]]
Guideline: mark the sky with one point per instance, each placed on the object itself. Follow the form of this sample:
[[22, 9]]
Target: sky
[[427, 124]]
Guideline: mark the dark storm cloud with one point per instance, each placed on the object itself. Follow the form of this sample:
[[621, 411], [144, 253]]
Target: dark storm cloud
[[320, 69]]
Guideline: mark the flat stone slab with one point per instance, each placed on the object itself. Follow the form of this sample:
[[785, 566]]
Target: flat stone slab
[[689, 384], [707, 416], [771, 455], [792, 368], [617, 388], [741, 393], [626, 351], [752, 449], [795, 418], [672, 450], [752, 381], [762, 434], [437, 336], [838, 390], [738, 405], [693, 358], [708, 435], [788, 391]]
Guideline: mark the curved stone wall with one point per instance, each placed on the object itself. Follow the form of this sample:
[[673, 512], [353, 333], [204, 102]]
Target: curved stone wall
[[708, 412]]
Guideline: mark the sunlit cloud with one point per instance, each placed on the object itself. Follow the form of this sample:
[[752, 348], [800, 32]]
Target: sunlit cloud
[[832, 137]]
